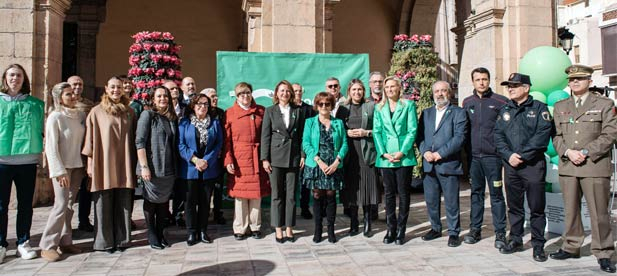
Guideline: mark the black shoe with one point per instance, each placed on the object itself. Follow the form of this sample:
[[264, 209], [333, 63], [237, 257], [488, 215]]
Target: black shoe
[[431, 235], [122, 248], [511, 247], [86, 227], [239, 237], [256, 235], [454, 241], [474, 236], [157, 246], [279, 240], [331, 234], [291, 239], [203, 237], [353, 231], [562, 255], [165, 243], [389, 237], [538, 254], [606, 265], [180, 222], [192, 239], [306, 214], [500, 240], [111, 250]]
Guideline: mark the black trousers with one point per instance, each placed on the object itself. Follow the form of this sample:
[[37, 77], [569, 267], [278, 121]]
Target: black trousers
[[156, 220], [283, 205], [397, 180], [179, 198], [217, 197], [526, 180], [85, 202], [197, 209]]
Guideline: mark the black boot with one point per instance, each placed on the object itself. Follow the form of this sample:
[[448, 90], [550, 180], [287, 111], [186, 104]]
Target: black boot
[[400, 236], [317, 215], [367, 220], [331, 215], [355, 224]]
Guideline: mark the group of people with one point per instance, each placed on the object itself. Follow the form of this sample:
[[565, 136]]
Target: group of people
[[181, 144]]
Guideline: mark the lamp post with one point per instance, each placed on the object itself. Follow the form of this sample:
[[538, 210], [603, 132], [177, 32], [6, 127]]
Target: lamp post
[[565, 39]]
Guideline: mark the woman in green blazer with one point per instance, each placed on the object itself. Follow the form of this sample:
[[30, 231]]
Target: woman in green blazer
[[325, 143], [394, 132]]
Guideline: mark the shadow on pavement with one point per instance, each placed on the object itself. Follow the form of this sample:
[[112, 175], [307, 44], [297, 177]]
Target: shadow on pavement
[[254, 267]]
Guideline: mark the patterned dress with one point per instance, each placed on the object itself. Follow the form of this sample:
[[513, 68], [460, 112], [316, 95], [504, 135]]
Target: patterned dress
[[315, 178]]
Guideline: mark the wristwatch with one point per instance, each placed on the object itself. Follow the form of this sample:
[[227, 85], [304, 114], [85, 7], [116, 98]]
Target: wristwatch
[[585, 152]]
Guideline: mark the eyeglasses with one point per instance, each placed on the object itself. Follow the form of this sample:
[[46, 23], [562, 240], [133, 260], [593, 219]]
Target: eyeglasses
[[324, 104], [331, 86], [577, 79], [205, 104], [245, 93]]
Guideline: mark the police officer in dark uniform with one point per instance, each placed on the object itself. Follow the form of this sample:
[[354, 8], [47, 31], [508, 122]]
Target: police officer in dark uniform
[[522, 133]]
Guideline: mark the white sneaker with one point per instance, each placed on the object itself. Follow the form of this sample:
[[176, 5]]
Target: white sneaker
[[25, 251], [2, 253]]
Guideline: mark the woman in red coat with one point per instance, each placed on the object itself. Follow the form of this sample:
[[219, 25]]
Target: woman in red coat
[[247, 181]]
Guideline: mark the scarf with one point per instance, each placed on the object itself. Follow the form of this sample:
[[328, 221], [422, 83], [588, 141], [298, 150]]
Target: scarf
[[202, 127]]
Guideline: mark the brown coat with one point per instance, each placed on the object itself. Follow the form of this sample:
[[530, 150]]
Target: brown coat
[[110, 142], [242, 143], [592, 127]]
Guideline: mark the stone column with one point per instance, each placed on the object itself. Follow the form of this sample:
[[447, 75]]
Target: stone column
[[302, 26], [504, 31]]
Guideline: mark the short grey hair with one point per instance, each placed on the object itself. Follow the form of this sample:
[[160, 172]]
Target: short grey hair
[[207, 90], [333, 79], [440, 81], [56, 94], [374, 73]]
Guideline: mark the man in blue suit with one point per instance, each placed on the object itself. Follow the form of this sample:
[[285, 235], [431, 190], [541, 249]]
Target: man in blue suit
[[441, 136]]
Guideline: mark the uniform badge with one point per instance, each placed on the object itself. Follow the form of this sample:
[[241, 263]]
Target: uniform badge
[[506, 116], [546, 116]]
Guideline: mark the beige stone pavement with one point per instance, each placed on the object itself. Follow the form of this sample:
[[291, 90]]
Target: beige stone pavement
[[349, 256]]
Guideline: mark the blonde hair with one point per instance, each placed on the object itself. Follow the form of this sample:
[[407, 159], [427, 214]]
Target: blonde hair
[[56, 94], [351, 83], [400, 92], [115, 109], [275, 98]]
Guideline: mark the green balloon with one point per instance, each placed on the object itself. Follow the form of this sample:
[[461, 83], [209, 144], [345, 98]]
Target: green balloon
[[550, 150], [555, 160], [550, 110], [546, 67], [538, 96], [556, 96]]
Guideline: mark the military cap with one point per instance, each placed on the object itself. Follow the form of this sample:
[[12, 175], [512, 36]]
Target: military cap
[[517, 78], [578, 71]]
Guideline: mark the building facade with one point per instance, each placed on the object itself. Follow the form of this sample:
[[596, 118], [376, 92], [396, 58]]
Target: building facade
[[54, 39]]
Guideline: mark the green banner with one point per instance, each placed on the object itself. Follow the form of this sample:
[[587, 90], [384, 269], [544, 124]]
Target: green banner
[[264, 70]]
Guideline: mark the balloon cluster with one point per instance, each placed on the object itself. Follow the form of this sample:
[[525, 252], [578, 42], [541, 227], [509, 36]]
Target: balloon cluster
[[546, 67]]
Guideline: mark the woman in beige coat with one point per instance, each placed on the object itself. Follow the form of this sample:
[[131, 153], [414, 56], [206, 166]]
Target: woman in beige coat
[[110, 148]]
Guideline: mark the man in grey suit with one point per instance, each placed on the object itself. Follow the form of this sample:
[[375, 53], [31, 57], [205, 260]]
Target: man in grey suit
[[441, 136]]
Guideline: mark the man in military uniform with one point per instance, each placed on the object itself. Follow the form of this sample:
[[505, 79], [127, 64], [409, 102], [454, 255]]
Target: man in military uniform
[[522, 133], [586, 129]]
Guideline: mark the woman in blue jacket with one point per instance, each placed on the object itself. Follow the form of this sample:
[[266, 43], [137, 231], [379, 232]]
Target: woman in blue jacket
[[324, 141], [200, 144]]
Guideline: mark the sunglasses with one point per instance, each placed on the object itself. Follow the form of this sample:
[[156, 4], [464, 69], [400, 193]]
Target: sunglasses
[[577, 79], [332, 86], [514, 85], [245, 93], [324, 104]]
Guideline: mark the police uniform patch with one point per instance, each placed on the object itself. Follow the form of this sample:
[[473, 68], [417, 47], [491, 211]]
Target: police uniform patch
[[506, 116], [546, 116]]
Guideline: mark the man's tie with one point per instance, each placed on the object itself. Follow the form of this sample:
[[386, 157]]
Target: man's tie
[[578, 103]]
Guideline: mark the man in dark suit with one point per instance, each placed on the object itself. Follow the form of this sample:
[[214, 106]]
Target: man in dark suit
[[586, 131], [307, 111], [441, 136]]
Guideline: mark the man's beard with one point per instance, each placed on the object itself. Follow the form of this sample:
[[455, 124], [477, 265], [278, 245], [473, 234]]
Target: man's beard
[[377, 91], [441, 102]]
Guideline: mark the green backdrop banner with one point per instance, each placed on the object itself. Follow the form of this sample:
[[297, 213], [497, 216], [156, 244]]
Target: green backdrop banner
[[264, 70]]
